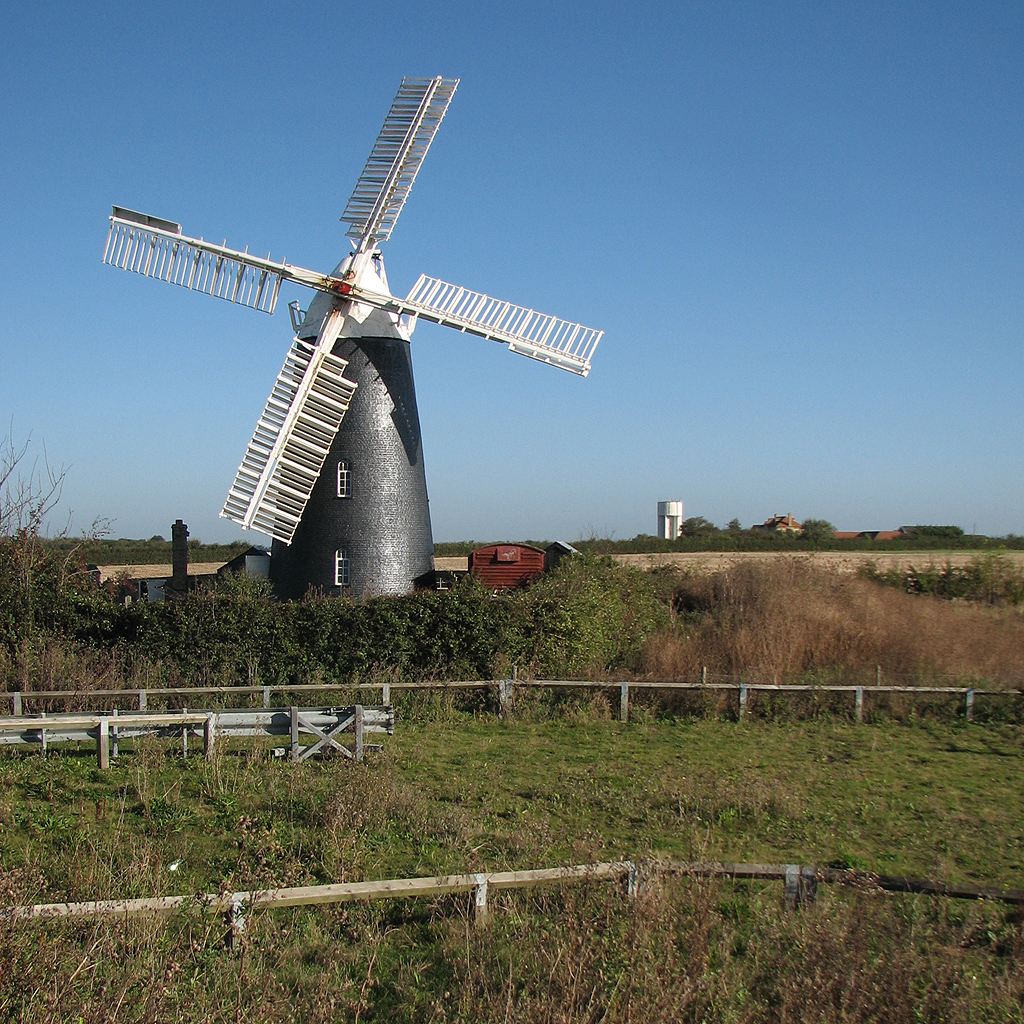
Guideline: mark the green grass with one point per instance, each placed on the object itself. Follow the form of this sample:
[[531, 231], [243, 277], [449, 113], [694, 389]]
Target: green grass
[[469, 793], [457, 791], [930, 799]]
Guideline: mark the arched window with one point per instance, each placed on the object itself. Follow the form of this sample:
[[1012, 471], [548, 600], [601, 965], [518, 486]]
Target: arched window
[[341, 578], [344, 480]]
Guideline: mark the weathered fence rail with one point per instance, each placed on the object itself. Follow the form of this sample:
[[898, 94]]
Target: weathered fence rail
[[506, 689], [801, 883], [326, 725]]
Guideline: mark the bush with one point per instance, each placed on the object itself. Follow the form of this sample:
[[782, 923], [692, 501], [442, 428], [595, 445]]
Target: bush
[[588, 617], [819, 532]]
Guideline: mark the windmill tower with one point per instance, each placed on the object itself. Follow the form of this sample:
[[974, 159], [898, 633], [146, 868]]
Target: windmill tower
[[334, 471]]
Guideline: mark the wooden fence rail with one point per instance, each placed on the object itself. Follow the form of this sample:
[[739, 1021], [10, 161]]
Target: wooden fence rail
[[326, 725], [801, 883], [506, 689]]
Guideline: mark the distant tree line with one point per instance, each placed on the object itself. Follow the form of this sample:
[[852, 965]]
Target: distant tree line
[[699, 534]]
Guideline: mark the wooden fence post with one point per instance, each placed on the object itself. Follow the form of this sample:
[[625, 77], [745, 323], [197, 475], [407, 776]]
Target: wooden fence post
[[385, 694], [743, 701], [878, 675], [236, 921], [142, 700], [859, 703], [184, 736], [808, 883], [969, 705], [17, 702], [42, 735], [209, 736], [792, 893], [359, 732], [295, 733], [103, 745], [505, 696], [480, 912], [624, 702], [113, 737], [703, 675], [266, 696]]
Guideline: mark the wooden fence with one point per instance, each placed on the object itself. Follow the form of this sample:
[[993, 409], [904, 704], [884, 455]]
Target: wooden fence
[[801, 882], [506, 689], [326, 725]]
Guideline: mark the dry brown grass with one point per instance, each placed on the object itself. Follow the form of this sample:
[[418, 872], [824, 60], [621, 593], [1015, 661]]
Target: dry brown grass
[[698, 951], [682, 951], [788, 618]]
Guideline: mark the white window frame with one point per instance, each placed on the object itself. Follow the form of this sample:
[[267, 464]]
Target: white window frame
[[342, 574], [344, 487]]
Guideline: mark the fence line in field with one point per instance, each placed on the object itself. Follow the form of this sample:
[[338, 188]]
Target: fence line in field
[[326, 725], [801, 882], [506, 689]]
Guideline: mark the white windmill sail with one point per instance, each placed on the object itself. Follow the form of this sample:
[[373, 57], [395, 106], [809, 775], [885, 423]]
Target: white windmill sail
[[292, 438], [156, 248], [397, 155], [537, 335]]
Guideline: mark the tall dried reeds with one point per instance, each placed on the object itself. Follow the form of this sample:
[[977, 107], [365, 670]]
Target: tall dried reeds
[[787, 618]]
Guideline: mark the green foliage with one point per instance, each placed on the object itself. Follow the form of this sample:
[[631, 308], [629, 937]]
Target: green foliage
[[697, 526], [951, 532], [757, 540], [586, 616], [818, 532], [989, 579], [155, 551]]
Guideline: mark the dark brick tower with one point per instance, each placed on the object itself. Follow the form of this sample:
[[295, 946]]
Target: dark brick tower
[[366, 527]]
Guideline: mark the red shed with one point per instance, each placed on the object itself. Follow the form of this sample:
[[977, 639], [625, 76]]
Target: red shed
[[506, 565]]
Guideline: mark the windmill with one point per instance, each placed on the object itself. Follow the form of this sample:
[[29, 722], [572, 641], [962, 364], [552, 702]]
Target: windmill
[[334, 471]]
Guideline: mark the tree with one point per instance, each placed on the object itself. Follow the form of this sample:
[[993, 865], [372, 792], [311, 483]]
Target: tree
[[698, 526], [953, 532], [733, 526], [25, 501], [818, 531]]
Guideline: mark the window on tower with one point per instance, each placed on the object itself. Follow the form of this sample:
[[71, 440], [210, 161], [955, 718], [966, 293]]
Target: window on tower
[[341, 577], [344, 480]]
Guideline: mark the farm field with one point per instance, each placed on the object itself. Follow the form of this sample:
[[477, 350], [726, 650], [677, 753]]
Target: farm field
[[915, 791], [930, 798], [839, 561], [454, 791]]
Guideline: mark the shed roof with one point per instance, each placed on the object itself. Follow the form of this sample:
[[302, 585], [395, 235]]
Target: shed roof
[[157, 571]]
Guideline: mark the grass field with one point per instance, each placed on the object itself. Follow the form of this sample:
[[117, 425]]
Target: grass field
[[471, 793], [915, 790], [457, 791]]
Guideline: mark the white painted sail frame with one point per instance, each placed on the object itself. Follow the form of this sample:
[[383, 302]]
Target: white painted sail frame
[[292, 438], [557, 342], [401, 147], [137, 243], [151, 247]]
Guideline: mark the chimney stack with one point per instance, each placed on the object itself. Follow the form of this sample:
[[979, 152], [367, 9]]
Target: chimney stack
[[179, 557]]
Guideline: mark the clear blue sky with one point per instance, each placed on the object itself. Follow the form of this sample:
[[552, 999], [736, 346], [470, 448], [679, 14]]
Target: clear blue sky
[[799, 224]]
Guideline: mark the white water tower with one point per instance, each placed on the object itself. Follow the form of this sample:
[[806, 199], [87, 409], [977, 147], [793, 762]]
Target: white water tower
[[670, 519]]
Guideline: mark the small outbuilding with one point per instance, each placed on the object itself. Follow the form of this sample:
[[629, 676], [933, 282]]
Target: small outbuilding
[[554, 553], [506, 565], [254, 561]]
